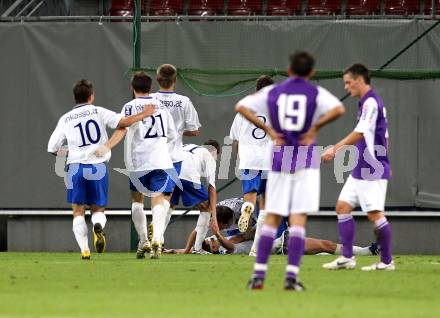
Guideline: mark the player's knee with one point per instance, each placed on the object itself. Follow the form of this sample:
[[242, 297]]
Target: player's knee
[[375, 215], [343, 207]]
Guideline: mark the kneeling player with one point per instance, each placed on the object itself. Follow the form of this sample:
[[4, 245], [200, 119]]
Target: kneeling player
[[84, 129]]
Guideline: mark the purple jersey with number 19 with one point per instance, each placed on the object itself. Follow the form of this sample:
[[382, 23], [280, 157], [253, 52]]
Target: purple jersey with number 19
[[292, 106]]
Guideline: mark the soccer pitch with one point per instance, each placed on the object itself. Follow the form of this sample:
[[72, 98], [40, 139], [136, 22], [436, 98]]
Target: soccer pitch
[[117, 285]]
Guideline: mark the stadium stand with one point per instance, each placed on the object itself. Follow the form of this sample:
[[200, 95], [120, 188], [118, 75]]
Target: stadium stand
[[428, 7], [244, 7], [283, 7], [402, 7], [166, 7], [205, 7], [324, 7], [121, 8], [362, 7]]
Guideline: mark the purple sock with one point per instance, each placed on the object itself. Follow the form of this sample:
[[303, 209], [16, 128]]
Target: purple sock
[[264, 249], [295, 250], [383, 229], [346, 227]]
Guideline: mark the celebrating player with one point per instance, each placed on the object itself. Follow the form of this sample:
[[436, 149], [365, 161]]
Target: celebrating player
[[297, 109], [185, 119], [254, 147], [199, 161], [367, 184], [87, 179]]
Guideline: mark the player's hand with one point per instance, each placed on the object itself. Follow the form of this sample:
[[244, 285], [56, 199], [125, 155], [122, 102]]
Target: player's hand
[[328, 155], [63, 151], [214, 225], [101, 151], [277, 138], [149, 109], [309, 137]]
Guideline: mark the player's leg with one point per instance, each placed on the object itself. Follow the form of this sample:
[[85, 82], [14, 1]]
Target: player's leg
[[261, 216], [173, 181], [278, 194], [98, 220], [80, 230], [159, 216], [250, 185], [202, 227], [140, 224], [348, 199]]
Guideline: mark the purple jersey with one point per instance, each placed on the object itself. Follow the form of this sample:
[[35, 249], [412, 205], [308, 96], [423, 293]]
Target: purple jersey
[[373, 163], [292, 106]]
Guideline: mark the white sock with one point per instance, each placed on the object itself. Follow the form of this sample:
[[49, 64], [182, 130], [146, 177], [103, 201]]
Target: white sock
[[357, 250], [139, 220], [260, 222], [202, 228], [169, 212], [338, 250], [159, 215], [99, 217], [276, 245], [80, 230]]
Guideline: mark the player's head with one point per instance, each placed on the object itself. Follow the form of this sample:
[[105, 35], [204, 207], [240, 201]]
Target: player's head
[[302, 64], [357, 80], [211, 245], [213, 146], [166, 76], [225, 217], [263, 81], [141, 83], [83, 92]]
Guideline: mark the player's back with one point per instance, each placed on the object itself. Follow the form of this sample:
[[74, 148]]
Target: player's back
[[84, 129], [197, 163], [146, 141], [183, 113]]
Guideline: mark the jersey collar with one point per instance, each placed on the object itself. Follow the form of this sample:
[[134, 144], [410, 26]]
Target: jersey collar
[[166, 92], [145, 97]]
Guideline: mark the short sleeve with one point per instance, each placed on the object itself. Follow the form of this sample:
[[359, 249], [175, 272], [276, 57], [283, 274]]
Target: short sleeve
[[234, 134], [257, 102], [368, 116], [326, 101], [109, 118], [57, 139], [192, 122]]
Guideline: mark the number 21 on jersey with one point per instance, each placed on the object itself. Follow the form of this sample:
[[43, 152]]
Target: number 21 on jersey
[[292, 111]]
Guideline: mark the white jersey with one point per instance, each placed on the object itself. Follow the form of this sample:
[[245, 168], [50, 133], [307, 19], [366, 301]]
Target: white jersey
[[197, 162], [184, 115], [254, 146], [147, 142], [84, 130]]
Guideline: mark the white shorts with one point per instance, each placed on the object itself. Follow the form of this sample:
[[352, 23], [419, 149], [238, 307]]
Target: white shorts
[[293, 193], [369, 195]]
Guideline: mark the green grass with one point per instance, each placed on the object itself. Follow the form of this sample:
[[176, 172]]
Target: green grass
[[117, 285]]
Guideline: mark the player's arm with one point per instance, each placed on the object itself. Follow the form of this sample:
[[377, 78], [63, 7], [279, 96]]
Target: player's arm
[[148, 110], [192, 123], [115, 139], [366, 121], [227, 244], [190, 242], [212, 200], [57, 140], [191, 133]]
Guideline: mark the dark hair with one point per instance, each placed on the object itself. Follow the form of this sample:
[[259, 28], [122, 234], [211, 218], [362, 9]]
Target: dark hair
[[263, 81], [213, 143], [82, 90], [141, 82], [166, 75], [357, 70], [224, 214], [301, 63]]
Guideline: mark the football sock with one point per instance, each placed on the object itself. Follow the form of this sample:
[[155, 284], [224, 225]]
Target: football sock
[[295, 250], [364, 251], [202, 228], [265, 243], [159, 215], [346, 227], [383, 229], [139, 220], [80, 230], [338, 249], [169, 212], [260, 222], [99, 217]]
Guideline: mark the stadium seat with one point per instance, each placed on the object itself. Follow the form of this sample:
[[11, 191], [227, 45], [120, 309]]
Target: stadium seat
[[244, 7], [205, 7], [283, 7], [362, 7], [402, 7], [121, 8], [428, 7], [323, 7], [166, 7]]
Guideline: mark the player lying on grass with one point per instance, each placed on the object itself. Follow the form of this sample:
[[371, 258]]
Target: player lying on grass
[[185, 119], [229, 240], [254, 147], [84, 130], [148, 162]]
